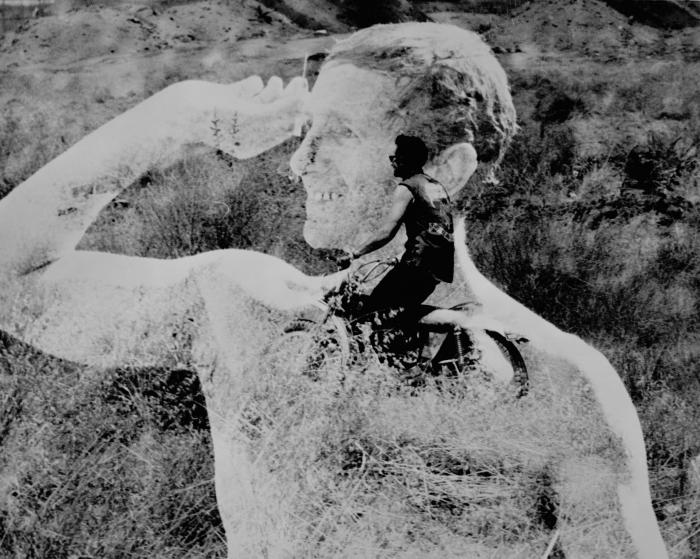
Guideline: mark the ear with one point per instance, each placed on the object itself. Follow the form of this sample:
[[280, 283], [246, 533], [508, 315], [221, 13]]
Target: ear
[[453, 166]]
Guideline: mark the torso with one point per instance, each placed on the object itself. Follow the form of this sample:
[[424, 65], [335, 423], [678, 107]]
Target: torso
[[429, 227]]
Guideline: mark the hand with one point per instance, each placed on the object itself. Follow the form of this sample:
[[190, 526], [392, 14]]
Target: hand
[[245, 118], [345, 260]]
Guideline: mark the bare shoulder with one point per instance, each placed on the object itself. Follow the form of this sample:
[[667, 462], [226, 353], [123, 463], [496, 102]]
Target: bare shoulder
[[404, 192], [425, 187], [413, 182]]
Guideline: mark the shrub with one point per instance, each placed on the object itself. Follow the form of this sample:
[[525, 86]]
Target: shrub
[[26, 144], [660, 165], [363, 13], [114, 466]]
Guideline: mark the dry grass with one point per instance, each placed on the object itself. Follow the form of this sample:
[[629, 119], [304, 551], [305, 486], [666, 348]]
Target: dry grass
[[116, 465], [368, 467]]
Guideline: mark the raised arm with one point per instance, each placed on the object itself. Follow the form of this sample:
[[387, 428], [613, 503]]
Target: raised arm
[[44, 217]]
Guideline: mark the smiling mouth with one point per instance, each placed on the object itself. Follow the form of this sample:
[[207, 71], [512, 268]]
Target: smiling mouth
[[324, 196]]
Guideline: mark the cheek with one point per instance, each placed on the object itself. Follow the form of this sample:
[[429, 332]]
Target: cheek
[[362, 172], [366, 167]]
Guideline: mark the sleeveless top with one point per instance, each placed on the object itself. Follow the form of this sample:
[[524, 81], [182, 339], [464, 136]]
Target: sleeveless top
[[429, 228]]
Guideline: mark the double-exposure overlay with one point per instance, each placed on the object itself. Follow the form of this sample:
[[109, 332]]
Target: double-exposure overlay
[[336, 279]]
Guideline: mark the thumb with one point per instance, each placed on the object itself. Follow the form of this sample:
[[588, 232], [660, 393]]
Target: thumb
[[332, 281], [297, 94]]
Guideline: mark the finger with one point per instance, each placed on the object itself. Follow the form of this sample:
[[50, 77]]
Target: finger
[[297, 87], [246, 88], [276, 97], [297, 91], [272, 91]]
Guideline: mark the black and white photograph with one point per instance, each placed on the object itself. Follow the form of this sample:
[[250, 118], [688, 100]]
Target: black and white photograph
[[349, 279]]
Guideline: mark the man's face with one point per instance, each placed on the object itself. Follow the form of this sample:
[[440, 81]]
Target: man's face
[[344, 158], [403, 167]]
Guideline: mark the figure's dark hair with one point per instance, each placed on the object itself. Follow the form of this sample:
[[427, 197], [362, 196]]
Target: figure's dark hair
[[413, 148]]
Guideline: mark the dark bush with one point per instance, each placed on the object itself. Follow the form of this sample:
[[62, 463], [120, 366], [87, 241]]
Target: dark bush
[[363, 13], [173, 399], [660, 165], [554, 105]]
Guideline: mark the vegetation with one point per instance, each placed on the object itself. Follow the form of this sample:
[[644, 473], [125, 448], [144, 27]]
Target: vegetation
[[115, 465], [595, 225], [607, 247]]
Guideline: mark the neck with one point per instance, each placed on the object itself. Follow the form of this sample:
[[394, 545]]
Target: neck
[[412, 173], [494, 301]]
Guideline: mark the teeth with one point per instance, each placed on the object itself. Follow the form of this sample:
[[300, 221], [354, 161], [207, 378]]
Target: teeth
[[324, 196]]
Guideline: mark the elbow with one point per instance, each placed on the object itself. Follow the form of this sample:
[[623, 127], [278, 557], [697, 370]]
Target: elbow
[[386, 235]]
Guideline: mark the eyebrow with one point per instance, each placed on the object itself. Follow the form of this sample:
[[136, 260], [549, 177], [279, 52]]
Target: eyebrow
[[342, 119], [360, 119]]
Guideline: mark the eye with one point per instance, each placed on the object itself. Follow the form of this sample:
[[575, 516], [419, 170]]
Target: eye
[[340, 130], [345, 132]]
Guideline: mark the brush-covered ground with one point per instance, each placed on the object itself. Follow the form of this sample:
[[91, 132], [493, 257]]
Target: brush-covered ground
[[595, 225]]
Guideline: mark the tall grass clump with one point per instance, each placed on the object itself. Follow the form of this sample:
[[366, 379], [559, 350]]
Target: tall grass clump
[[25, 146], [115, 465], [179, 211], [207, 202]]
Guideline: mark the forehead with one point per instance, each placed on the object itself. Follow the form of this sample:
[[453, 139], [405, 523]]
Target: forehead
[[353, 93]]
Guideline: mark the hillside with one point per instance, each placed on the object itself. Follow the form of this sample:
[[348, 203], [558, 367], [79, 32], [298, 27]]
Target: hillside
[[595, 225]]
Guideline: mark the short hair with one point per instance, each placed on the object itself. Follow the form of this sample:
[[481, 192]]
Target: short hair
[[413, 148], [452, 88]]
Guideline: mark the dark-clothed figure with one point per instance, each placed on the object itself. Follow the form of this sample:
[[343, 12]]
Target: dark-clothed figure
[[422, 204]]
